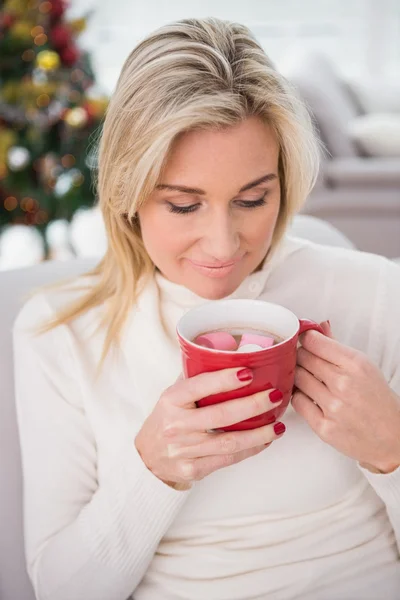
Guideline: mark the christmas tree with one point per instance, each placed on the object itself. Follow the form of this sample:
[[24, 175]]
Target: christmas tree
[[49, 114]]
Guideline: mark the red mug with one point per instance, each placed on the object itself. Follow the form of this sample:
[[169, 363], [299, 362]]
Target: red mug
[[272, 367]]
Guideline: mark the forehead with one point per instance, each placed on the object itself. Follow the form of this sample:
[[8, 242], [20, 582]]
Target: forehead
[[247, 149]]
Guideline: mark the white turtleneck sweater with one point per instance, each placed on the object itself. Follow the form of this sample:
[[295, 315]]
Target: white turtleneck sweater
[[298, 521]]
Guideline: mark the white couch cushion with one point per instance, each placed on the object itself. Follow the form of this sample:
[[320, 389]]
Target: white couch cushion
[[377, 134], [319, 231], [328, 98], [15, 285], [376, 96]]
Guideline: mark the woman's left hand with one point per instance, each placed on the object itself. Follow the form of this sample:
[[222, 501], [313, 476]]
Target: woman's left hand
[[347, 402]]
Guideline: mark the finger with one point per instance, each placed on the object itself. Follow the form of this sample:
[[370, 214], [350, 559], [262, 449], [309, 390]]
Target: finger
[[231, 442], [312, 387], [232, 411], [320, 368], [314, 364], [327, 348], [178, 448], [202, 467], [188, 391], [306, 408], [326, 327]]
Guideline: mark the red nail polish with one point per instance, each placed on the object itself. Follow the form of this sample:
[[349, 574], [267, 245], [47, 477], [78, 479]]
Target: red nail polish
[[276, 396], [245, 375], [279, 428]]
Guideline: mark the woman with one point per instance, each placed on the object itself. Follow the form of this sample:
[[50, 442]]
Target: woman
[[205, 156]]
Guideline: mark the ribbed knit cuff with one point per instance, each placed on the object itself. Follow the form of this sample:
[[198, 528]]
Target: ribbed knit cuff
[[386, 485]]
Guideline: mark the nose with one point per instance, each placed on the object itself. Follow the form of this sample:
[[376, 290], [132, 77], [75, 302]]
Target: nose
[[221, 239]]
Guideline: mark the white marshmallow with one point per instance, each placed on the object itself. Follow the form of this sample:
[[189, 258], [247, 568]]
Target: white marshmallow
[[249, 348]]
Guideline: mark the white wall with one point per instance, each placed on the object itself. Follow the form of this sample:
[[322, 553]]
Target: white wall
[[362, 36]]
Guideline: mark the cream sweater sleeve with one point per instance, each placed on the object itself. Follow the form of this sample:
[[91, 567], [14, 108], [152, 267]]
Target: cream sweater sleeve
[[83, 542], [386, 335]]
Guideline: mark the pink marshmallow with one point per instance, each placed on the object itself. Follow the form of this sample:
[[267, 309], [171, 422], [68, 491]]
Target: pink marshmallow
[[220, 340], [259, 340]]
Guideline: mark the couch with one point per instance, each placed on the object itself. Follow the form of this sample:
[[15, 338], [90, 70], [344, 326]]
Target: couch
[[358, 192], [14, 287]]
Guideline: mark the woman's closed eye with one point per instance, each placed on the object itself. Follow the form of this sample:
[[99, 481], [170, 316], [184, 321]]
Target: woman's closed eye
[[246, 204]]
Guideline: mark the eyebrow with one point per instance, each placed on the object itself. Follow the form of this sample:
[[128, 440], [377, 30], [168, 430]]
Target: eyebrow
[[189, 190]]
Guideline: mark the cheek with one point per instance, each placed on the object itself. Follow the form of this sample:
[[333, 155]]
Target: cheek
[[260, 228], [164, 238]]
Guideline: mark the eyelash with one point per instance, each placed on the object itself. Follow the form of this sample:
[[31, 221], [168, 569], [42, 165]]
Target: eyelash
[[186, 210]]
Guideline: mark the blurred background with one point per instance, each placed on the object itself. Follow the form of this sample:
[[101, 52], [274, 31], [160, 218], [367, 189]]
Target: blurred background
[[59, 63]]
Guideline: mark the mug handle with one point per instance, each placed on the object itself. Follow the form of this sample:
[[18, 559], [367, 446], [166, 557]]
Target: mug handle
[[306, 324]]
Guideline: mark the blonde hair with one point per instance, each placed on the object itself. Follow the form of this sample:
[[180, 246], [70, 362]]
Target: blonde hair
[[195, 73]]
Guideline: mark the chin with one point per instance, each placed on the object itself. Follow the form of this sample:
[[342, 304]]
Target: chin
[[214, 290]]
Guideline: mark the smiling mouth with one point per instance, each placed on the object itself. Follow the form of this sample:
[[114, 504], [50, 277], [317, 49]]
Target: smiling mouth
[[216, 266], [214, 270]]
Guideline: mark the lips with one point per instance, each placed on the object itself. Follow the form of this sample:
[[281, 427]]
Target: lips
[[215, 265], [214, 271]]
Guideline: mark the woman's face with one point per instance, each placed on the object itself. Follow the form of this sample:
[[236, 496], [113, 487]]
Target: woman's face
[[210, 221]]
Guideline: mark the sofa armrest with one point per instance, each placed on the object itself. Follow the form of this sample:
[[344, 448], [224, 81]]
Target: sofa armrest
[[362, 173]]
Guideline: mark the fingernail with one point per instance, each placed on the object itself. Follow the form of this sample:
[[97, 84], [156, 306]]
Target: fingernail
[[276, 396], [279, 428], [245, 375]]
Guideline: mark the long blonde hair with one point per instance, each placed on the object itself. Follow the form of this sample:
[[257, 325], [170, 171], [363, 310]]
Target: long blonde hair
[[195, 73]]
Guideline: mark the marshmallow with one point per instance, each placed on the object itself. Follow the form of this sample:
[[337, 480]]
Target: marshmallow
[[249, 348], [219, 340], [258, 340]]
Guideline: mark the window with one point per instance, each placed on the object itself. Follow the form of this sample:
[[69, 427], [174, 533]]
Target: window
[[361, 36]]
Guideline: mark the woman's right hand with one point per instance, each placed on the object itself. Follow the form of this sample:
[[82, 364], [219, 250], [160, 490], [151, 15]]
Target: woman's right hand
[[175, 441]]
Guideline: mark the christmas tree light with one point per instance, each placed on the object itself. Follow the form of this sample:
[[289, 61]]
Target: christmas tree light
[[48, 114]]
